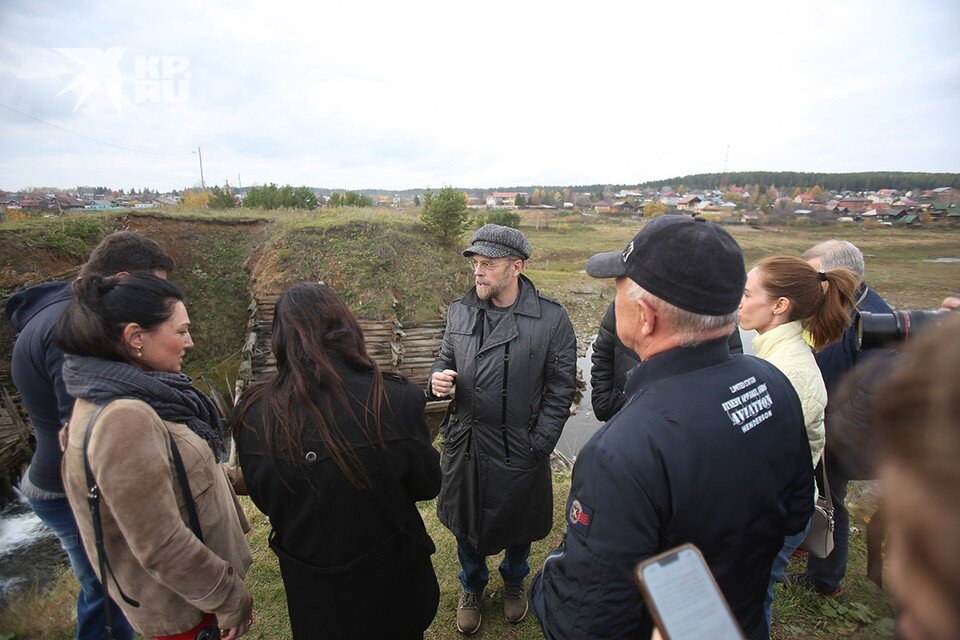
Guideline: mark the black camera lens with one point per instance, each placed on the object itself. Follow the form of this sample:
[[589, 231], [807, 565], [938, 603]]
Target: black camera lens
[[877, 330]]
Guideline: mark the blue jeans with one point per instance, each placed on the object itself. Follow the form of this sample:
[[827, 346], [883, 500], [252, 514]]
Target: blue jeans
[[827, 573], [473, 566], [56, 515], [790, 544]]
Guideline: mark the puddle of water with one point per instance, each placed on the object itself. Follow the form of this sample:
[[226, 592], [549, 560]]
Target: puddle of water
[[943, 260]]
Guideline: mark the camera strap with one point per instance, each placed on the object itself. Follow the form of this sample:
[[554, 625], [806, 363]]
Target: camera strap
[[93, 500]]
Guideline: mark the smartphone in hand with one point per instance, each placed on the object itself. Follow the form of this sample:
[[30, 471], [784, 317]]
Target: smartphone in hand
[[684, 598]]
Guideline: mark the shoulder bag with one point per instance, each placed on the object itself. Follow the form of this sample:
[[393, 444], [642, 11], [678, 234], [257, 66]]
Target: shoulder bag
[[819, 540]]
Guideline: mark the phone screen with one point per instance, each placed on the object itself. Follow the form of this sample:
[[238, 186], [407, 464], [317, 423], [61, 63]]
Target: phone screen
[[686, 598]]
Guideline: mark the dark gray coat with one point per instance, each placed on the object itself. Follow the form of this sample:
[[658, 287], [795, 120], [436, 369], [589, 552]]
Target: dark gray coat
[[512, 399]]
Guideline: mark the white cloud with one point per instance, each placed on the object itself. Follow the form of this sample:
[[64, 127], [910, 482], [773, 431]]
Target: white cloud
[[396, 95]]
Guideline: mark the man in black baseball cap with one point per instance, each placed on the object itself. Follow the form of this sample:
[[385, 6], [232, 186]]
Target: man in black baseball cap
[[710, 448]]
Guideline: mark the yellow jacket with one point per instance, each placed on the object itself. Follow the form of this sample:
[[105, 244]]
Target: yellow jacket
[[785, 348]]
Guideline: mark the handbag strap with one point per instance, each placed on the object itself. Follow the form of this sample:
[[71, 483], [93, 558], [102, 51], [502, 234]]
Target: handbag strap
[[185, 488], [822, 467], [93, 501]]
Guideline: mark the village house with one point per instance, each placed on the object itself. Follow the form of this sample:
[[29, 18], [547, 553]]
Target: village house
[[689, 203], [622, 207], [503, 199], [602, 207], [855, 204]]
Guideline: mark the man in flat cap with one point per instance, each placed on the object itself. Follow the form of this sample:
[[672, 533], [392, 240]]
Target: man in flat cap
[[710, 448], [511, 354]]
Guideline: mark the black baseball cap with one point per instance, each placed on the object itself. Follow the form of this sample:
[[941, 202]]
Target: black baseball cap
[[688, 262]]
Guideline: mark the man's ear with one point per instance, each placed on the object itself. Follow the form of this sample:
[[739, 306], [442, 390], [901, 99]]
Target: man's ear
[[648, 316]]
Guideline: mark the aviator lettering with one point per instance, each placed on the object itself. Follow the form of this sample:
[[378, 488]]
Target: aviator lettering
[[751, 407]]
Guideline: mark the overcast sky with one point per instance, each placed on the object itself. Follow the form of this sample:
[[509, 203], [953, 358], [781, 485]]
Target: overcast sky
[[399, 95]]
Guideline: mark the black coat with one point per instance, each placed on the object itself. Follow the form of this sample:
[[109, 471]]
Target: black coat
[[355, 563], [612, 361], [512, 399]]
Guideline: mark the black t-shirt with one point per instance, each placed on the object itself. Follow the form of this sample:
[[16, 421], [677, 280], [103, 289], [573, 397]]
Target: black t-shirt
[[492, 315]]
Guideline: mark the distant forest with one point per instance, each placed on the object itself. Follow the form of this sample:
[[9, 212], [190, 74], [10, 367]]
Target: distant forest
[[783, 180], [862, 181]]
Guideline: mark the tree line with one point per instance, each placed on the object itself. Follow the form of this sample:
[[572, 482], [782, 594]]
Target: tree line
[[859, 181]]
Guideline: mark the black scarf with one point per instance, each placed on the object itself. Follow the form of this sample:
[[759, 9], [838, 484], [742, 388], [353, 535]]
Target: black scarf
[[172, 395]]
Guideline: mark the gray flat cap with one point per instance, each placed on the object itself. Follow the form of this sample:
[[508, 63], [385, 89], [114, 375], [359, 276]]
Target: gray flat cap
[[496, 241]]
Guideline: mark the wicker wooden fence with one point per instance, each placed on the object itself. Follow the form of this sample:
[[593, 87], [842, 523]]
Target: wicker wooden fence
[[409, 350]]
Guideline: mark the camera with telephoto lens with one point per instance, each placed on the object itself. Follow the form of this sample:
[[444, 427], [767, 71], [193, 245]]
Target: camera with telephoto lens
[[878, 330]]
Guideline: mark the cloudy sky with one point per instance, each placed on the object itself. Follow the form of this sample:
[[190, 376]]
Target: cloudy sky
[[411, 94]]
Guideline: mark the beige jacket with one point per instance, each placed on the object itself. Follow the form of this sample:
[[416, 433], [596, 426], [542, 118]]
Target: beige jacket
[[786, 349], [155, 557]]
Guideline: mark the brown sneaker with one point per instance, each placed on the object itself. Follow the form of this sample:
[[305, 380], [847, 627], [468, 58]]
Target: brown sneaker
[[468, 612], [514, 602]]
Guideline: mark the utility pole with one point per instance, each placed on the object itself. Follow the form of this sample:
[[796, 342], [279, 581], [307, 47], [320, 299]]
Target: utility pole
[[202, 183], [726, 159]]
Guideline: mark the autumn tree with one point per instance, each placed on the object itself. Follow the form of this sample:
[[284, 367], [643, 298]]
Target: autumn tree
[[445, 214], [195, 199], [654, 209]]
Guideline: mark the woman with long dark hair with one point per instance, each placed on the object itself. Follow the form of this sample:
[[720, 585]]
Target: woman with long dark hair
[[156, 513], [337, 453], [783, 298]]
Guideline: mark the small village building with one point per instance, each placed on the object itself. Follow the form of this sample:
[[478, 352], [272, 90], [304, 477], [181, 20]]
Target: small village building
[[856, 204], [688, 203], [500, 199]]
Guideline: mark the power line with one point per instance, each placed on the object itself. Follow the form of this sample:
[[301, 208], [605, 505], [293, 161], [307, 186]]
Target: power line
[[80, 135]]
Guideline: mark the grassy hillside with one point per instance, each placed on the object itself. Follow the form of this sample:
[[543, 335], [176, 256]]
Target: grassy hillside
[[209, 253], [381, 262]]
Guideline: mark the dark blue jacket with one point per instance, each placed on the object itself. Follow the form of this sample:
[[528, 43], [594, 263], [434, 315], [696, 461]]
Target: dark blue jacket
[[35, 368], [848, 422], [711, 449], [834, 361]]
